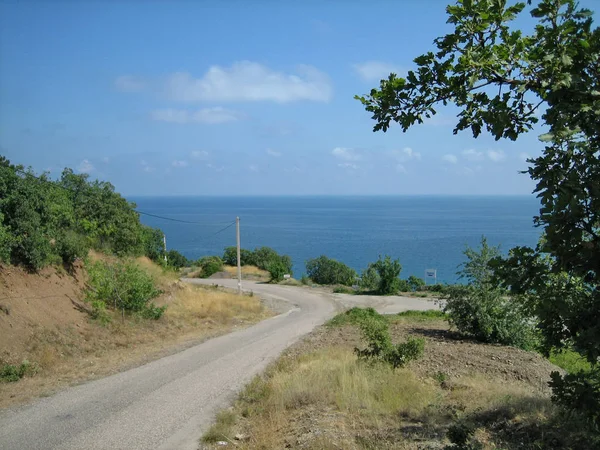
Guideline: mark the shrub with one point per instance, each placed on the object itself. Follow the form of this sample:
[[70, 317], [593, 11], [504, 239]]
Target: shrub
[[10, 373], [305, 280], [324, 270], [176, 259], [277, 269], [483, 310], [369, 279], [579, 392], [389, 273], [403, 286], [230, 257], [71, 246], [380, 347], [355, 316], [415, 283], [488, 316], [123, 286], [210, 265]]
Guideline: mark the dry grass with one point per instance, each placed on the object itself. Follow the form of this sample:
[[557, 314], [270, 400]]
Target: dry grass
[[79, 348], [249, 273], [328, 399], [192, 303]]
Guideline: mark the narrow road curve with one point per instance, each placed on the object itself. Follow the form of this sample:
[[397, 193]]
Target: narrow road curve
[[168, 403], [165, 404]]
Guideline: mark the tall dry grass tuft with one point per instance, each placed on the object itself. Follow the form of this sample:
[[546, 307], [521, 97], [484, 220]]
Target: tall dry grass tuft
[[248, 272], [190, 303]]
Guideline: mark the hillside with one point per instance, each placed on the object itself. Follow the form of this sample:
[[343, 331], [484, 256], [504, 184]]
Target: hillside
[[45, 321]]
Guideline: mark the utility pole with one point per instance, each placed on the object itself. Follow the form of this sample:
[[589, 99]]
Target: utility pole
[[165, 245], [239, 260]]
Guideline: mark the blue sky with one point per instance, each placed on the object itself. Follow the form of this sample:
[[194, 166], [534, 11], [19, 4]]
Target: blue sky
[[232, 97]]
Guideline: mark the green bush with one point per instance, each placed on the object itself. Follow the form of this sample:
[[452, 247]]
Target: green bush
[[44, 221], [579, 392], [230, 257], [176, 259], [403, 286], [484, 311], [343, 290], [324, 270], [389, 273], [122, 286], [415, 283], [355, 316], [277, 269], [10, 373], [489, 316], [380, 347], [369, 279], [210, 265], [71, 246], [305, 280]]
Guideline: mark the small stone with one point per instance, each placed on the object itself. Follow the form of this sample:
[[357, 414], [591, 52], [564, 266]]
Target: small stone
[[240, 437], [222, 443]]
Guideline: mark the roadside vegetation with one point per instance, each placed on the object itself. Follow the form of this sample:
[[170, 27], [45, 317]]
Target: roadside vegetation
[[337, 390], [86, 288]]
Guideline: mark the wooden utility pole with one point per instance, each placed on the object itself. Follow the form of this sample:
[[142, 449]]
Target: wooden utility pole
[[165, 245], [239, 260]]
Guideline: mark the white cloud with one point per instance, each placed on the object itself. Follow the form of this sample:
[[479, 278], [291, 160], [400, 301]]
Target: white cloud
[[250, 81], [400, 168], [452, 159], [473, 155], [253, 168], [146, 167], [209, 116], [496, 155], [199, 154], [376, 70], [349, 166], [179, 163], [129, 83], [524, 156], [406, 154], [346, 154], [274, 153], [215, 168], [85, 166]]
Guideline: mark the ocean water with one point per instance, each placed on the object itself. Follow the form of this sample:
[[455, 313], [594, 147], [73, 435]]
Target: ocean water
[[423, 232]]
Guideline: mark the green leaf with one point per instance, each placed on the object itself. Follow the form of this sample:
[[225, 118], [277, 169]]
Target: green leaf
[[547, 137]]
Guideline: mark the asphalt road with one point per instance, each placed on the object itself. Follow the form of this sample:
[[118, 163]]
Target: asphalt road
[[168, 403]]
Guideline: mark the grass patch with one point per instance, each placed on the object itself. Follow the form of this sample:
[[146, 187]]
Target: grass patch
[[221, 430], [418, 316], [343, 290], [330, 399], [10, 373], [248, 273], [354, 316], [571, 361]]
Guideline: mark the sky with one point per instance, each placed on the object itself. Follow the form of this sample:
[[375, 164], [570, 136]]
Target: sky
[[235, 98]]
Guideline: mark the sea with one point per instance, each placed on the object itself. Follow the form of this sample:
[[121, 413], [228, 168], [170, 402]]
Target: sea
[[423, 232]]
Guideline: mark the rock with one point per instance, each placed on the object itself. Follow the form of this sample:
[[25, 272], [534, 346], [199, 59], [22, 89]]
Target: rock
[[222, 443], [241, 437]]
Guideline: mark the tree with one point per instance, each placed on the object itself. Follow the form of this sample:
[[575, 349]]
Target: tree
[[482, 309], [499, 78], [415, 283], [389, 275], [324, 270]]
